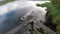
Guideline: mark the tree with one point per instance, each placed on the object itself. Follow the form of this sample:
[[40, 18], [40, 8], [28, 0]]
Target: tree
[[53, 9], [56, 3]]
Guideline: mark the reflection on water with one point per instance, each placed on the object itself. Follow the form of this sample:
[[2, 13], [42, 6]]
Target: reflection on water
[[11, 18]]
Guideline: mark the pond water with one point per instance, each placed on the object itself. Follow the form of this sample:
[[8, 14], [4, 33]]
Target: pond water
[[11, 13]]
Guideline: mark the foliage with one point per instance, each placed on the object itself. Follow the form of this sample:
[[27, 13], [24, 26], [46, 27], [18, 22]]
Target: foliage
[[50, 9], [56, 3], [5, 1], [53, 9]]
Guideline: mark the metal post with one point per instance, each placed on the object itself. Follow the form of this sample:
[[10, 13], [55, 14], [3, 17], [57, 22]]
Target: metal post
[[32, 27]]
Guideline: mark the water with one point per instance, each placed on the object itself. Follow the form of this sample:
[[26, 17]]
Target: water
[[10, 17]]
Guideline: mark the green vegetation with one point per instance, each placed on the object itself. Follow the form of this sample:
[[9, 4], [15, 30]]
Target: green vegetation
[[56, 3], [50, 9], [5, 1], [53, 9]]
